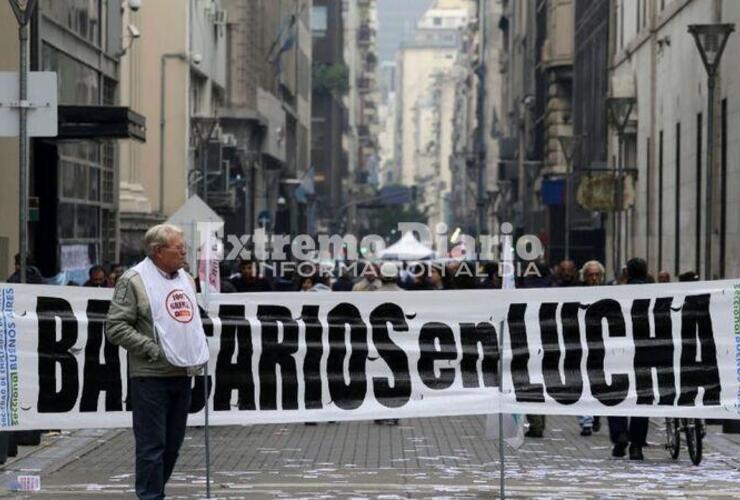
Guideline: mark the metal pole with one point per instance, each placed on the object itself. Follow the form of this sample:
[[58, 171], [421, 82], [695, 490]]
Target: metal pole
[[501, 453], [205, 407], [23, 149], [619, 196], [481, 205], [709, 181], [162, 121], [568, 175]]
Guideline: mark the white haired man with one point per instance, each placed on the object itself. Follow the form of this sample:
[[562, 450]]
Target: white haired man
[[592, 274], [154, 316]]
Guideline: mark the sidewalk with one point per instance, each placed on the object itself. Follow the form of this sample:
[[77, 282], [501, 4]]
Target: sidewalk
[[421, 458]]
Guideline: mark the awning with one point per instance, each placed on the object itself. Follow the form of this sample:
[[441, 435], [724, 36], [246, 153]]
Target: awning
[[101, 122]]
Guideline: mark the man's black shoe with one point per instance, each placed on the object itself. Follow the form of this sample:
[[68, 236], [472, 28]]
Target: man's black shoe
[[586, 431], [619, 450], [636, 453], [533, 434]]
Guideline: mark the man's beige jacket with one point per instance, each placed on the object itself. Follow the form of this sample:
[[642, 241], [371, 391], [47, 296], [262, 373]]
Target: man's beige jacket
[[130, 325]]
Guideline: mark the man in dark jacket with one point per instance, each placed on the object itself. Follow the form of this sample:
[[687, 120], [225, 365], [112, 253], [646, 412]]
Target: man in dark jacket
[[248, 279], [630, 431], [33, 275]]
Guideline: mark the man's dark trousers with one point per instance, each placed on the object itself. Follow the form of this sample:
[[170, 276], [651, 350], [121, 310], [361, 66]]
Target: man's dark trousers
[[160, 408], [635, 431]]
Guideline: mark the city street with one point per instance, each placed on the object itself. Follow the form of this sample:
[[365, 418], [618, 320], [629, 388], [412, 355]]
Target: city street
[[421, 458]]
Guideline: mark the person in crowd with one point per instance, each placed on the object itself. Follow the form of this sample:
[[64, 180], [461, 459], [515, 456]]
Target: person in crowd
[[592, 274], [96, 277], [664, 277], [539, 280], [436, 279], [161, 361], [369, 281], [33, 275], [344, 282], [630, 431], [249, 279], [116, 271], [224, 271], [285, 281], [492, 279], [567, 274], [419, 277], [464, 277], [388, 273]]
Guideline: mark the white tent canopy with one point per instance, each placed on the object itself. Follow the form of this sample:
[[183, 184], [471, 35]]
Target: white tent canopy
[[407, 248]]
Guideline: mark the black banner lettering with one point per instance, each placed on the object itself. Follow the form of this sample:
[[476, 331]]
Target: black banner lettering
[[399, 393], [347, 396], [431, 335], [616, 392], [236, 335], [52, 352], [568, 389], [99, 376]]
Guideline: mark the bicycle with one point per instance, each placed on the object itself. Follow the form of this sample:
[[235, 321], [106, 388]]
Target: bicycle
[[694, 431]]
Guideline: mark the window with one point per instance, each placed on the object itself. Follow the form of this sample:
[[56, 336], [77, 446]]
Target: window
[[620, 7], [78, 83], [437, 21], [699, 131], [79, 16], [319, 21]]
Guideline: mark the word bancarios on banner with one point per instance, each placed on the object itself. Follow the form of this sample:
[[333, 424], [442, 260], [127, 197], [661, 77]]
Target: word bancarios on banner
[[654, 350]]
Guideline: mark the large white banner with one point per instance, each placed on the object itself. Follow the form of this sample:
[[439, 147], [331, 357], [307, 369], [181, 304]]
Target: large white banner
[[653, 350]]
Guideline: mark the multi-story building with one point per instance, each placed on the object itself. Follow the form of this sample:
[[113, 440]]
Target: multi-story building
[[476, 86], [266, 115], [537, 69], [331, 83], [654, 60], [426, 107], [74, 176], [176, 77]]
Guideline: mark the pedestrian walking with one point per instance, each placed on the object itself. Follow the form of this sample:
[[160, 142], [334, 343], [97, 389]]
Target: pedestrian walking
[[630, 431], [154, 316]]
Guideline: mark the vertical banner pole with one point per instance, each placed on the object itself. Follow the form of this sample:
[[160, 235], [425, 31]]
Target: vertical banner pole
[[500, 414], [205, 261], [207, 442]]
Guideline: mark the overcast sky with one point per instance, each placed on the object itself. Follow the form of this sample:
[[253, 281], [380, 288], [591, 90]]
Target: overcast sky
[[397, 18]]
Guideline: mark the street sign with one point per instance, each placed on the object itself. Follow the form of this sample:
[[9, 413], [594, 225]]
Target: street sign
[[41, 104], [264, 218]]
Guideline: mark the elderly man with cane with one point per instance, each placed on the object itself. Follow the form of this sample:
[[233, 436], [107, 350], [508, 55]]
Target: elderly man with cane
[[154, 316]]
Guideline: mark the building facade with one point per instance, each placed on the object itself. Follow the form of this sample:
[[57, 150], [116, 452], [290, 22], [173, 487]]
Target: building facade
[[74, 176], [655, 61]]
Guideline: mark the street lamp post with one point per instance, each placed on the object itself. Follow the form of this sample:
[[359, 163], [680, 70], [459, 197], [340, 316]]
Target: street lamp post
[[568, 144], [711, 40], [619, 110], [23, 11]]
